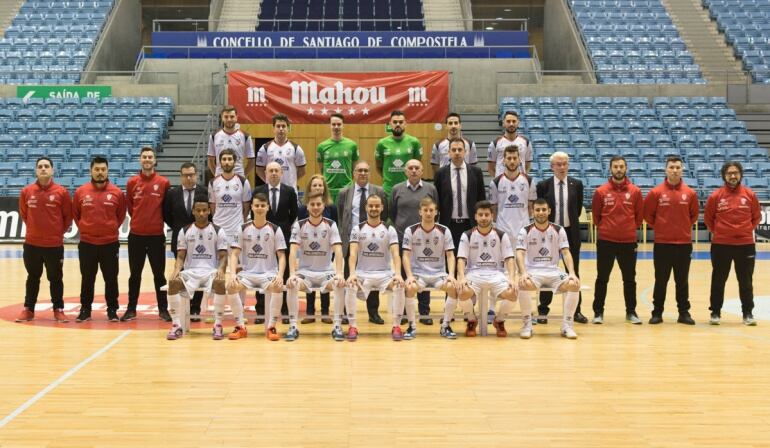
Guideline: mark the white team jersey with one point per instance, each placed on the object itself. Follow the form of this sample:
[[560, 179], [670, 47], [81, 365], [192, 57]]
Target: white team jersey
[[258, 247], [496, 152], [543, 246], [485, 253], [512, 198], [202, 245], [315, 244], [229, 196], [428, 249], [238, 141], [439, 154], [289, 156], [373, 246]]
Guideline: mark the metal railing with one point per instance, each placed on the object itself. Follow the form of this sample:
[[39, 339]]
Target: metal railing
[[467, 24]]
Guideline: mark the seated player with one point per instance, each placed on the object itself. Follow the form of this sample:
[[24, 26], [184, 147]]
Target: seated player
[[537, 256], [313, 241], [201, 262], [261, 248], [372, 245], [428, 251], [485, 261]]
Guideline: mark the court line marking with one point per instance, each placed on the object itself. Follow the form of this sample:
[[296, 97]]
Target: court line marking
[[8, 418]]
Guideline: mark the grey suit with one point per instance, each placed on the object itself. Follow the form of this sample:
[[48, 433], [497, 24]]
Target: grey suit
[[345, 207]]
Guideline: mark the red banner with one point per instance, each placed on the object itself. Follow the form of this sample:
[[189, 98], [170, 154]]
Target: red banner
[[361, 97]]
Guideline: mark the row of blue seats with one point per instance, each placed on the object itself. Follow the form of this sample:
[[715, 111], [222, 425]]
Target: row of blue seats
[[85, 114], [650, 81], [37, 43], [36, 81], [663, 114], [65, 169], [641, 140], [656, 157], [743, 25], [71, 19], [21, 28], [32, 6], [107, 102], [633, 127], [619, 101], [79, 127], [77, 154], [70, 140]]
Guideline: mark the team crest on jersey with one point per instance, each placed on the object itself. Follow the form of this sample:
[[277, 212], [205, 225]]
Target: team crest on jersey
[[485, 256], [314, 245], [210, 235], [256, 248], [267, 237], [324, 233], [236, 187], [493, 243], [381, 235], [200, 248], [155, 187], [109, 196], [522, 187], [51, 198], [628, 195], [684, 197], [227, 198], [435, 240], [372, 247], [743, 201]]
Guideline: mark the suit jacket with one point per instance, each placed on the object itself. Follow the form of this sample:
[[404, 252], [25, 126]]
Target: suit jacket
[[287, 208], [547, 190], [345, 211], [175, 210], [475, 192]]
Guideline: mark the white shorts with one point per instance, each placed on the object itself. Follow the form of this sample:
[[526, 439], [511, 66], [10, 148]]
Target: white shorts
[[494, 282], [253, 280], [316, 280], [372, 282], [430, 281], [548, 278], [197, 278]]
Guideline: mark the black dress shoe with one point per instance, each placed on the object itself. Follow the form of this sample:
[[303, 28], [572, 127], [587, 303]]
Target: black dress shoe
[[685, 318], [579, 318], [165, 316], [376, 319], [656, 319], [541, 320], [426, 321], [345, 321], [404, 320], [259, 320], [128, 316], [285, 321]]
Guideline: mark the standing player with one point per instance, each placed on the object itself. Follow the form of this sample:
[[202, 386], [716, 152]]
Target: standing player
[[439, 154], [392, 152], [671, 209], [336, 156], [261, 250], [495, 153], [201, 262], [618, 210], [229, 195], [284, 152], [99, 208], [313, 241], [46, 209], [537, 257], [732, 213], [429, 262], [231, 137], [372, 245], [513, 195], [145, 193], [485, 261]]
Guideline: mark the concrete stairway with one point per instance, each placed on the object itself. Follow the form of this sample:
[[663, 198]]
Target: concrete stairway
[[707, 46], [239, 15], [183, 136], [8, 10], [443, 15]]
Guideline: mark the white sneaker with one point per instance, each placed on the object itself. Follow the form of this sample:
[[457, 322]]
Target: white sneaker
[[526, 328], [598, 320], [568, 332]]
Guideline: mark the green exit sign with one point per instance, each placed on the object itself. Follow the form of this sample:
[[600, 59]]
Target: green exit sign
[[27, 92]]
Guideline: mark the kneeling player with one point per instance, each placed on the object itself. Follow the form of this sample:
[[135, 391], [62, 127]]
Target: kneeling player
[[488, 255], [313, 240], [372, 245], [537, 256], [201, 262], [261, 248], [428, 251]]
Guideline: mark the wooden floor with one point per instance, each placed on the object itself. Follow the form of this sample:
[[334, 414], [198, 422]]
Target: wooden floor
[[617, 385]]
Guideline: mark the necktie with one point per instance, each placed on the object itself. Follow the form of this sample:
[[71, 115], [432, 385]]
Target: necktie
[[188, 206], [561, 203], [274, 199], [460, 213], [362, 206]]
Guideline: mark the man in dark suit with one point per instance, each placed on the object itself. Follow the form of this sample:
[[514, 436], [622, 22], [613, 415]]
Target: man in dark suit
[[351, 209], [565, 197], [177, 213], [459, 186], [283, 213]]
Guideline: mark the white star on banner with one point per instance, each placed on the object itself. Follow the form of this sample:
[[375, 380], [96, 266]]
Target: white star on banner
[[365, 111], [338, 110], [310, 111], [352, 111], [324, 111]]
